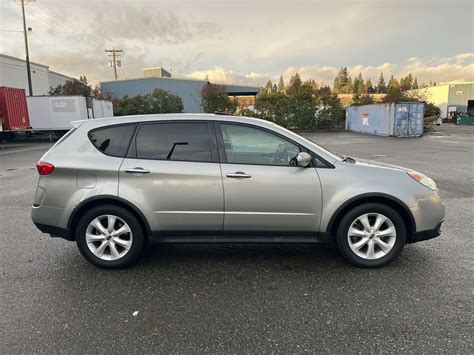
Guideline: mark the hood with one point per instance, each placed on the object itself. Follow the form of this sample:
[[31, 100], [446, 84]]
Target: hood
[[376, 164]]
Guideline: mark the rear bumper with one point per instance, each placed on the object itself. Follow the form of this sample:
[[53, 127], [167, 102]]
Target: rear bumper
[[54, 232], [425, 235]]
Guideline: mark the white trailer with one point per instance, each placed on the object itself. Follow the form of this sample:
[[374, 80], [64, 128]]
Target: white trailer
[[102, 108], [55, 113]]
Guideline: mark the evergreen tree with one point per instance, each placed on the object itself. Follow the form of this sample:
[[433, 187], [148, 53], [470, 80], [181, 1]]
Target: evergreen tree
[[342, 82], [415, 84], [381, 87], [295, 85], [358, 87], [393, 84], [312, 84], [369, 89], [281, 85], [406, 82], [268, 89]]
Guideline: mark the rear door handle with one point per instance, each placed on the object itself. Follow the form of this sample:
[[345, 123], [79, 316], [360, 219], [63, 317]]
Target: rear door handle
[[239, 175], [137, 171]]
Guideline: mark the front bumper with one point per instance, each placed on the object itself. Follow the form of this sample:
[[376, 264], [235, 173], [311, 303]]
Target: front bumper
[[425, 235]]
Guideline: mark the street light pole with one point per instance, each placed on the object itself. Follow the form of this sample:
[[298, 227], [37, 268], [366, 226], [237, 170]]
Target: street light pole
[[25, 34]]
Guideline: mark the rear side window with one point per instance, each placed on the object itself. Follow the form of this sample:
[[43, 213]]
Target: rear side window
[[112, 140], [180, 141]]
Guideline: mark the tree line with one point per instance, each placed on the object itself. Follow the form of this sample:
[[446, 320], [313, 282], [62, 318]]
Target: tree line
[[300, 105], [344, 84]]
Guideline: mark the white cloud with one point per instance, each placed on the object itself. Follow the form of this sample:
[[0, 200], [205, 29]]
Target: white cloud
[[457, 68], [219, 75], [246, 41]]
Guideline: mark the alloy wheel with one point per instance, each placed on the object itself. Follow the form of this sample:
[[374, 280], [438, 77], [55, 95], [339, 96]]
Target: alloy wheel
[[109, 237], [371, 236]]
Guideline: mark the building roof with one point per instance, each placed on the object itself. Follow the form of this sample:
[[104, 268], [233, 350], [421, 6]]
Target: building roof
[[448, 83], [22, 60], [180, 79]]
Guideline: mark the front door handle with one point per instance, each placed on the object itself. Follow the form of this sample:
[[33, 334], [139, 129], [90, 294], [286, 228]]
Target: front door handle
[[137, 171], [239, 175]]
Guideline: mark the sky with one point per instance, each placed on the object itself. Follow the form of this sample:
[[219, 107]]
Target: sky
[[248, 42]]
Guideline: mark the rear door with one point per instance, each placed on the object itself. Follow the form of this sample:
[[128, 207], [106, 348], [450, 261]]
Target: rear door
[[171, 173], [264, 189]]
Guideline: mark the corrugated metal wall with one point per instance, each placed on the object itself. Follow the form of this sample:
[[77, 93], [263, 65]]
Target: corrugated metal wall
[[458, 96], [188, 90]]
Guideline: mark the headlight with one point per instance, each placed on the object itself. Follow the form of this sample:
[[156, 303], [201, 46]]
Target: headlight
[[423, 179]]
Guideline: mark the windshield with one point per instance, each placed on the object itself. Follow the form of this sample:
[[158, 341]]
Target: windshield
[[334, 155]]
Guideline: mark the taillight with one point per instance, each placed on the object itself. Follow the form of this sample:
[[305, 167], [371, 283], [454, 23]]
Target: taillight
[[44, 168]]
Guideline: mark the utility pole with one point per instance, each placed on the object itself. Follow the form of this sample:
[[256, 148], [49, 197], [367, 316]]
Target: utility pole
[[115, 54], [25, 34]]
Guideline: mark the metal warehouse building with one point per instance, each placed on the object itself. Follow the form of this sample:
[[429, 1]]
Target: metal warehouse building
[[452, 98], [13, 74], [188, 89]]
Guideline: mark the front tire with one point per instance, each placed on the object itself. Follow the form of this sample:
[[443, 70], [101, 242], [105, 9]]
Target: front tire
[[371, 235], [109, 237]]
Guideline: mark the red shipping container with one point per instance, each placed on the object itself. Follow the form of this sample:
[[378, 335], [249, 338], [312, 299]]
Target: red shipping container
[[13, 109]]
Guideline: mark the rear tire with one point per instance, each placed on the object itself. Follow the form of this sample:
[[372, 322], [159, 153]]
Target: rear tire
[[109, 237], [371, 235]]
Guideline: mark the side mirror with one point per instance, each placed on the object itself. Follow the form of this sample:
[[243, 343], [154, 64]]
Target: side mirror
[[303, 159]]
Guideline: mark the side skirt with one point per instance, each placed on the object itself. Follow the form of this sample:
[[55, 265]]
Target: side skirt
[[174, 238]]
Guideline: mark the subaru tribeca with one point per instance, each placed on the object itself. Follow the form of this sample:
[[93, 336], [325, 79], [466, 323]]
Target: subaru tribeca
[[113, 185]]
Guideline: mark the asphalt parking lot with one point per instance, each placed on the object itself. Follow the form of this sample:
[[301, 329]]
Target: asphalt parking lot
[[245, 298]]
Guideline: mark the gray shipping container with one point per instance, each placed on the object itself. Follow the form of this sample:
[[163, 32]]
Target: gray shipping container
[[404, 119]]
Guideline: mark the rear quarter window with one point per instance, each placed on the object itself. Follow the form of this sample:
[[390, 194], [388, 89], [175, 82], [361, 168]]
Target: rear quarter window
[[112, 140]]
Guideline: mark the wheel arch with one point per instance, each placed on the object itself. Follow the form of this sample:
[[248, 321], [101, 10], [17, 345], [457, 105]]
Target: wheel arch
[[106, 200], [381, 198]]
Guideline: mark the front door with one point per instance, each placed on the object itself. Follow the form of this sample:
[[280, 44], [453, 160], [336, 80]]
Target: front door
[[172, 174], [264, 190]]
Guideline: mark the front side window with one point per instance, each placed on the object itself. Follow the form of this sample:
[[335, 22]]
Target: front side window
[[248, 145], [112, 140], [180, 141]]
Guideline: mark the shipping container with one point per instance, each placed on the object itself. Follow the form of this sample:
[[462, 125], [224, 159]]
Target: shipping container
[[55, 113], [13, 109], [403, 119]]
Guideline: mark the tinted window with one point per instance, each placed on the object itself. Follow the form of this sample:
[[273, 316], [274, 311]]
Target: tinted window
[[247, 145], [112, 140], [174, 141]]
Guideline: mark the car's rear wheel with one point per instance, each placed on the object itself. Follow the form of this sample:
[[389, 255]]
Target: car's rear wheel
[[109, 236], [371, 235]]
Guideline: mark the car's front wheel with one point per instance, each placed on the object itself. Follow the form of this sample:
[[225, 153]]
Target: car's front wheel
[[109, 236], [371, 235]]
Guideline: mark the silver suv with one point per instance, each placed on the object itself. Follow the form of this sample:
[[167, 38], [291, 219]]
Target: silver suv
[[113, 185]]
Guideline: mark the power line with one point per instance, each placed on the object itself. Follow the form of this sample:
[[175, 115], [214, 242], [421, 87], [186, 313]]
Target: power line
[[60, 28], [54, 14]]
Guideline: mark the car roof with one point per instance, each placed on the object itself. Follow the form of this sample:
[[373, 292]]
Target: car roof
[[100, 122]]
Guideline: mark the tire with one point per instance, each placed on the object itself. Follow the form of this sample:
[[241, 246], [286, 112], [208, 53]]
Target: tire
[[119, 250], [378, 247]]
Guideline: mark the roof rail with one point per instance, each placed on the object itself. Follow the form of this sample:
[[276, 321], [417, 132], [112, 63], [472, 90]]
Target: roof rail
[[224, 113]]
